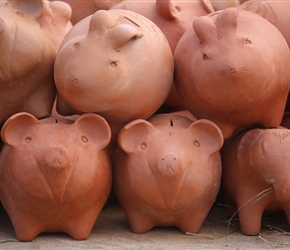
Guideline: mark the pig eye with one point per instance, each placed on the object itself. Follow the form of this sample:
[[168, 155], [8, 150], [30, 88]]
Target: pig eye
[[84, 138], [247, 41], [114, 64], [143, 145], [196, 143], [205, 57], [28, 139]]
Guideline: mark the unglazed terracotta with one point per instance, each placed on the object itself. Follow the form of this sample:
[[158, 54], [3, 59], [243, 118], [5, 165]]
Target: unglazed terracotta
[[257, 162], [277, 13], [116, 63], [223, 4], [55, 22], [26, 64], [82, 9], [173, 17], [274, 11], [55, 175], [167, 171], [230, 71]]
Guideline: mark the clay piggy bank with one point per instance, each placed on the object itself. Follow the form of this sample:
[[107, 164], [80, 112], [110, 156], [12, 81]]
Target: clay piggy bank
[[82, 9], [55, 22], [55, 175], [167, 171], [230, 71], [274, 11], [116, 63], [256, 168], [26, 64], [277, 13], [173, 17]]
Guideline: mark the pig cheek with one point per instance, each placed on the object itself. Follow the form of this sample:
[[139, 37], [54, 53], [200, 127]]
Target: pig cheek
[[30, 177]]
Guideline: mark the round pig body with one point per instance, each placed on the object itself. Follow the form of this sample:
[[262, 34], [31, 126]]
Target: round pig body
[[256, 168], [167, 171], [26, 64], [55, 175], [116, 63], [173, 17], [231, 71], [277, 13]]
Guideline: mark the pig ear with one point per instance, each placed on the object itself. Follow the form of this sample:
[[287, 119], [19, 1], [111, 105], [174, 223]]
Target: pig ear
[[32, 7], [133, 135], [227, 21], [18, 128], [94, 128], [166, 9], [61, 10], [206, 135], [205, 29]]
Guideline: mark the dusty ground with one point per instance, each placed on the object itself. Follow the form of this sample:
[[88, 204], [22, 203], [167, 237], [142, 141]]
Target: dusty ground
[[111, 231]]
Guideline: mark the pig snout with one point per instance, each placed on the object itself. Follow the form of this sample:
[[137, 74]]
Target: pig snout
[[168, 164], [55, 158]]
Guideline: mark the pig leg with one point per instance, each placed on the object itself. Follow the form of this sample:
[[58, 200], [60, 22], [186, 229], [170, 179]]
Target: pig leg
[[138, 222], [250, 217], [25, 226], [192, 223], [80, 225]]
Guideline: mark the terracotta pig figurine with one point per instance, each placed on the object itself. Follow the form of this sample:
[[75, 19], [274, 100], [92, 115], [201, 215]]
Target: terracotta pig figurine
[[83, 9], [277, 13], [116, 63], [173, 17], [26, 62], [230, 71], [256, 168], [55, 22], [167, 171], [55, 175], [274, 11]]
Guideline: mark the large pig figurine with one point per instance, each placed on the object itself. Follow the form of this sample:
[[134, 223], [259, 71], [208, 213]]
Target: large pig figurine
[[167, 171], [26, 62], [231, 71], [173, 17], [277, 13], [116, 63], [274, 11], [256, 170], [55, 175]]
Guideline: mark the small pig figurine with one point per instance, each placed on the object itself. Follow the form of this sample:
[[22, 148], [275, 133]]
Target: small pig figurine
[[115, 63], [228, 69], [167, 171], [26, 63], [55, 175], [55, 22], [173, 17], [255, 162], [82, 9]]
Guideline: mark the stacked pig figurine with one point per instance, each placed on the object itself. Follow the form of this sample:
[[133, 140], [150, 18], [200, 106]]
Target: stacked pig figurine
[[113, 70]]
